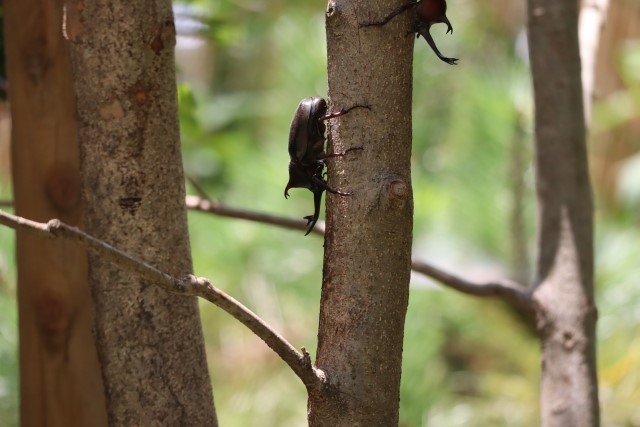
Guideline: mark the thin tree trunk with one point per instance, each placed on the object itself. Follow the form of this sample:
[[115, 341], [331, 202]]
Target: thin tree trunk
[[566, 311], [60, 382], [150, 343], [368, 240]]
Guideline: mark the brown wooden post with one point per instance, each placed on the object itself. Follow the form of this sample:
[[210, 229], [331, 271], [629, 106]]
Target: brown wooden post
[[60, 382]]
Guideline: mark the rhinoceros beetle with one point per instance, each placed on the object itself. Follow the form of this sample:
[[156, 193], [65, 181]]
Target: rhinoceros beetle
[[306, 152], [428, 12]]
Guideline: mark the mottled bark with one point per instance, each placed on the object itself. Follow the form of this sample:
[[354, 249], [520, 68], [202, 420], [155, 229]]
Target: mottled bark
[[150, 342], [60, 382], [566, 312], [368, 237]]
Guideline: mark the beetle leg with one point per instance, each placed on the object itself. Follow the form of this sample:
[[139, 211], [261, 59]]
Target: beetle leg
[[423, 30], [341, 153], [397, 11], [342, 112], [338, 192], [322, 185], [312, 219], [449, 26]]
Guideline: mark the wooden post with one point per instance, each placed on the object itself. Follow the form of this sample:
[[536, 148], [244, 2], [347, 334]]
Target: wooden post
[[60, 382]]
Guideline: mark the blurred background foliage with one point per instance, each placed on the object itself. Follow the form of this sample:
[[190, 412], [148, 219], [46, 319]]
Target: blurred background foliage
[[243, 67]]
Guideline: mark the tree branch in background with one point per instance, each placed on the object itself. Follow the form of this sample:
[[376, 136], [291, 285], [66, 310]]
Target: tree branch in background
[[509, 291], [204, 204], [188, 286], [512, 292]]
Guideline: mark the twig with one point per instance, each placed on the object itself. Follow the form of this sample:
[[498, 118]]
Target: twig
[[204, 204], [6, 203], [509, 291], [189, 285], [196, 186]]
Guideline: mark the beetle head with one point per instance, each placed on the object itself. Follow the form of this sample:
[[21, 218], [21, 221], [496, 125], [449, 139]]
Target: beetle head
[[298, 178]]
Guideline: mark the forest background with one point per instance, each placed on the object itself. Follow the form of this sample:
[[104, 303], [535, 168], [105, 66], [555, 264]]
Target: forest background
[[242, 74]]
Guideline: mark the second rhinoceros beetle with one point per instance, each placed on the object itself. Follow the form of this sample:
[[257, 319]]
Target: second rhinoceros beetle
[[428, 12], [306, 152]]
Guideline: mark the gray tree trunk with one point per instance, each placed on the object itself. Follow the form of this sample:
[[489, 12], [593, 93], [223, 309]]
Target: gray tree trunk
[[565, 307], [150, 343], [368, 240]]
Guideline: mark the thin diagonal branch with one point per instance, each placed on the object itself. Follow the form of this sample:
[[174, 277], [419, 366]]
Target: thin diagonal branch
[[189, 285], [509, 291]]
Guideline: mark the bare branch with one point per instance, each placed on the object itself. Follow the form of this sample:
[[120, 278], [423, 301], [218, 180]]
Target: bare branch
[[509, 291], [207, 205], [197, 186], [189, 286], [6, 203]]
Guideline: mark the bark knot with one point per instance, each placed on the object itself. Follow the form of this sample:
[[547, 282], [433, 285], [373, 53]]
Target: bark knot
[[395, 191], [568, 340], [36, 60], [398, 189], [112, 110], [54, 319], [138, 93], [63, 187], [331, 9], [165, 36]]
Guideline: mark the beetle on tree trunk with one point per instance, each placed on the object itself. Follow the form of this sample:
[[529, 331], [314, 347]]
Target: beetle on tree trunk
[[306, 151], [428, 12]]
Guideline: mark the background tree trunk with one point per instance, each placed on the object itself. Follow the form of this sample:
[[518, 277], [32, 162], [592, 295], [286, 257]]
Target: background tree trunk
[[617, 143], [150, 342], [60, 383], [566, 311], [368, 240]]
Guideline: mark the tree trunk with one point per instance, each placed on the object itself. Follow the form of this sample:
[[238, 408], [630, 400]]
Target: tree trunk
[[616, 143], [566, 312], [368, 239], [150, 343], [60, 383]]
